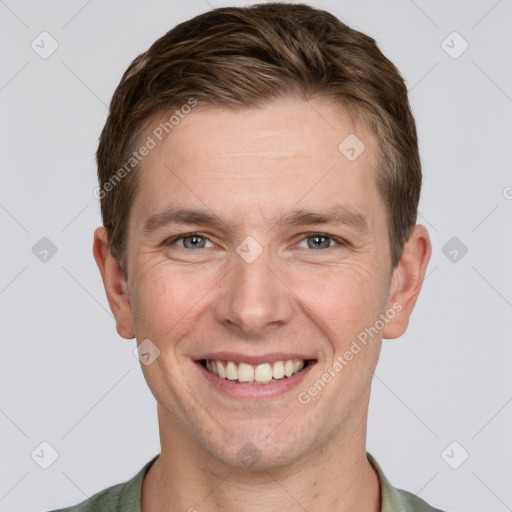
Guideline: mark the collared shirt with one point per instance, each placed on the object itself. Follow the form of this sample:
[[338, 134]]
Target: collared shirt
[[125, 497]]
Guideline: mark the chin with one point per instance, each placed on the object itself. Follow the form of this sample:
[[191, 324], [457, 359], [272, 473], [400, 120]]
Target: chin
[[257, 448]]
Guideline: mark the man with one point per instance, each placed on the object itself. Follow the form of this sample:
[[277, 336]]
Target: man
[[259, 182]]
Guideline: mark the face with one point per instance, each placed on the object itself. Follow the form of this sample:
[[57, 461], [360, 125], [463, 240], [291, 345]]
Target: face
[[254, 241]]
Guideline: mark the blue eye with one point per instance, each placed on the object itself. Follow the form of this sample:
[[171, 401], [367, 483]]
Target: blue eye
[[319, 241], [199, 240], [191, 241]]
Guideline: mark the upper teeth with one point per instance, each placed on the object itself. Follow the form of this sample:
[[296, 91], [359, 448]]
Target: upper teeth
[[261, 373]]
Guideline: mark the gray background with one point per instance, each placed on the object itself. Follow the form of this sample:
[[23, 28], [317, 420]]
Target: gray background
[[69, 380]]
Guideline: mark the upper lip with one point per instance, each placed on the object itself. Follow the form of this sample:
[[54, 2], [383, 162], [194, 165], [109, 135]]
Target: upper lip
[[254, 358]]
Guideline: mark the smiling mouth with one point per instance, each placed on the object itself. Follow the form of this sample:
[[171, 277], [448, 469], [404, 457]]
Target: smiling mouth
[[255, 375]]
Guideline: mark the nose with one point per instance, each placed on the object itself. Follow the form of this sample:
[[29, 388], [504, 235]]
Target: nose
[[254, 297]]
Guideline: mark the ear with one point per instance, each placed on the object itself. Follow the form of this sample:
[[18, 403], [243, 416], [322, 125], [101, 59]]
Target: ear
[[407, 280], [115, 286]]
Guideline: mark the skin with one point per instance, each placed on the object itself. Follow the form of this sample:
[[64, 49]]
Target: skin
[[250, 167]]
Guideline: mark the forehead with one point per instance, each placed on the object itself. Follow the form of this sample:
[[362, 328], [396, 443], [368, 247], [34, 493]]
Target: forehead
[[282, 129], [254, 159]]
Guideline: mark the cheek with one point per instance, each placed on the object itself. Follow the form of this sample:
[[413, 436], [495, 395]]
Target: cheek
[[167, 302], [345, 299]]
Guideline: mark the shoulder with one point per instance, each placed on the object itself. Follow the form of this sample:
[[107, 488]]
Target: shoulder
[[104, 501], [123, 497], [394, 499], [412, 503]]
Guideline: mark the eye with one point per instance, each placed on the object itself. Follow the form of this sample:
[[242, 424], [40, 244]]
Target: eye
[[199, 240], [190, 241], [320, 241]]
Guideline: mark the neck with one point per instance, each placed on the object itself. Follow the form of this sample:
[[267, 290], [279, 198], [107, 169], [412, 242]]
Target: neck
[[186, 478]]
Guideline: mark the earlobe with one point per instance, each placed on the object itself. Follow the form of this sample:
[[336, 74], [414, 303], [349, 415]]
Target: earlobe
[[407, 281], [116, 287]]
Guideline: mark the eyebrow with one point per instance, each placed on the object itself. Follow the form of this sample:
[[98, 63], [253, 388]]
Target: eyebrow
[[297, 217]]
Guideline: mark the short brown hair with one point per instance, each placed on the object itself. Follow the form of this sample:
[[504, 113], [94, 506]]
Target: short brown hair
[[238, 57]]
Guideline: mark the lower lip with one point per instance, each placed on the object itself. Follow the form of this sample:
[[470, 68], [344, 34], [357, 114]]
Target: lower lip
[[259, 391]]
